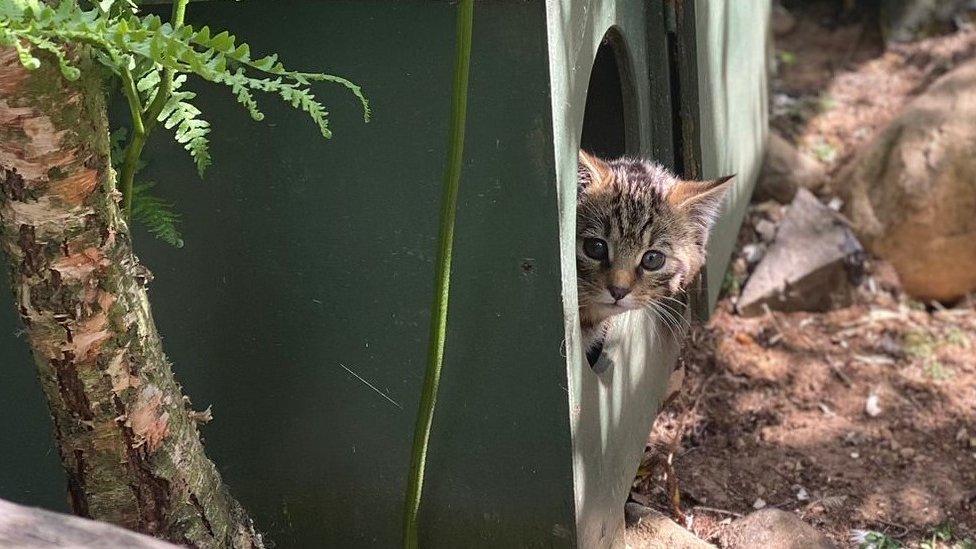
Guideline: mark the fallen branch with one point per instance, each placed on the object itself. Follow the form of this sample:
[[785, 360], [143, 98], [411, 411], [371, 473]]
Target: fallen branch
[[22, 526]]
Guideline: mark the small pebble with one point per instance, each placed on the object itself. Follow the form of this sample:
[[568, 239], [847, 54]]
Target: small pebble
[[766, 230], [753, 253], [873, 406], [759, 503], [962, 434]]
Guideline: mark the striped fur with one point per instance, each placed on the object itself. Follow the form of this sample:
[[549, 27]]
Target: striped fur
[[636, 206]]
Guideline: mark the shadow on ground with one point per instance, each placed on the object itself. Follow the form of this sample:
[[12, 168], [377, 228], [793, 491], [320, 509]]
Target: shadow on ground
[[776, 412]]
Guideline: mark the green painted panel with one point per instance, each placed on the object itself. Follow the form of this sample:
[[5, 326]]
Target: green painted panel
[[30, 469], [304, 256], [731, 38], [611, 412], [308, 271]]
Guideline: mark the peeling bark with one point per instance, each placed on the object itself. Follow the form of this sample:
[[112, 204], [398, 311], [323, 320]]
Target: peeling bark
[[124, 430]]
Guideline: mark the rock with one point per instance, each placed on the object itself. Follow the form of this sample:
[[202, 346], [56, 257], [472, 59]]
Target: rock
[[648, 529], [801, 492], [809, 266], [785, 169], [766, 230], [907, 20], [782, 21], [962, 434], [753, 253], [911, 194], [773, 528], [872, 407]]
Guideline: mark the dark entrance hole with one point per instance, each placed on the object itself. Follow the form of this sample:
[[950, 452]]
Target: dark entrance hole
[[608, 116], [610, 125]]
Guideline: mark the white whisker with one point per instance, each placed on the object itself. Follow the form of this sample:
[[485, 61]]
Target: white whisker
[[677, 301], [656, 310], [664, 312], [655, 319], [677, 313], [680, 322]]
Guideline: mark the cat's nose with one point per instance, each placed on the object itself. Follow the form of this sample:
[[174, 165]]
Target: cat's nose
[[617, 292]]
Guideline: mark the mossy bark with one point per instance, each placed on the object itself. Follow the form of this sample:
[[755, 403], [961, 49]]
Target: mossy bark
[[127, 437]]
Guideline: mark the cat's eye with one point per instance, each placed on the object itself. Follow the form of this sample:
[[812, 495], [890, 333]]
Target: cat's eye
[[652, 260], [595, 248]]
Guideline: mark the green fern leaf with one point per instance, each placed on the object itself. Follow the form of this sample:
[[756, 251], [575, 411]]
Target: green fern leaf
[[69, 71], [143, 48], [191, 131], [156, 214], [116, 140]]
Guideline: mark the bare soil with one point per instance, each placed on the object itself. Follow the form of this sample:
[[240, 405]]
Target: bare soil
[[859, 419], [837, 85], [775, 412]]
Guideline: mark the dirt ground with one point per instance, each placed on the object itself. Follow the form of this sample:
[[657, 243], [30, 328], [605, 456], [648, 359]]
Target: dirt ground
[[861, 419]]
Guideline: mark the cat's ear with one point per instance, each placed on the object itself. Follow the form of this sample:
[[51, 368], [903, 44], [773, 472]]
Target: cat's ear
[[592, 172], [701, 201]]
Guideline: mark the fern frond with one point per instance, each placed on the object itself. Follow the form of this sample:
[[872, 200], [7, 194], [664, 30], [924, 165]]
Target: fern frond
[[239, 85], [191, 130], [145, 45], [297, 97], [356, 90], [116, 141], [148, 83], [69, 71], [25, 56], [156, 214], [143, 50]]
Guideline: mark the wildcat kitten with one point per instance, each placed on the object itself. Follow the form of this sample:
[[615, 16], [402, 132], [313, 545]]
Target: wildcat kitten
[[640, 237]]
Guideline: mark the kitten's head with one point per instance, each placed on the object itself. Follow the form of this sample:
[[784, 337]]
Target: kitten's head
[[640, 233]]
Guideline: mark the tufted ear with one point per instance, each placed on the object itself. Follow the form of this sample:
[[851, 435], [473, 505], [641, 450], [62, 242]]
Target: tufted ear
[[592, 173], [701, 201]]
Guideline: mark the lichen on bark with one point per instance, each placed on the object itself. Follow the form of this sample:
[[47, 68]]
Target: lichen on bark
[[124, 430]]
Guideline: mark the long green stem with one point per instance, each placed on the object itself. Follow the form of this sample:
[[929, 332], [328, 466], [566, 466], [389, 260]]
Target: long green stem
[[143, 121], [138, 140], [166, 83], [438, 320]]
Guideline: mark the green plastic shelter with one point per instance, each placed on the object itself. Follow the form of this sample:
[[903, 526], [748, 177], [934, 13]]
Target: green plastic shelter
[[299, 306]]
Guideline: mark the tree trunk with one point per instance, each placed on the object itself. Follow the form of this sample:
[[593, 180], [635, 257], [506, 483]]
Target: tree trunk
[[127, 437]]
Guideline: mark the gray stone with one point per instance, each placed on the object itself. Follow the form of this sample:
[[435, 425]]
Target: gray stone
[[753, 253], [786, 169], [810, 265], [911, 194], [773, 528], [766, 230]]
